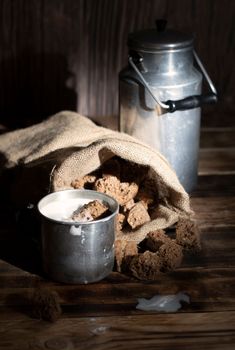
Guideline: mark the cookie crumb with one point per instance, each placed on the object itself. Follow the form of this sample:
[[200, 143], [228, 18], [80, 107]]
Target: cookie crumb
[[128, 205], [146, 266], [138, 215], [109, 185], [120, 221], [93, 210], [127, 191], [147, 192], [171, 255], [155, 239], [86, 181], [188, 235], [45, 305], [124, 251]]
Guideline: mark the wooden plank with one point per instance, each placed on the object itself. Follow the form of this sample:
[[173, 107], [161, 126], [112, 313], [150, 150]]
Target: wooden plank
[[217, 137], [160, 331], [214, 211], [216, 161], [209, 290], [215, 186], [217, 117]]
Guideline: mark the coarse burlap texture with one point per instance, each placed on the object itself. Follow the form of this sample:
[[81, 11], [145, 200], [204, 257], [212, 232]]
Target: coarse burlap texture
[[75, 146]]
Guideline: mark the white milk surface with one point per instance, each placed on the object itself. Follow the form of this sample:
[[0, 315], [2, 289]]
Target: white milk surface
[[63, 210]]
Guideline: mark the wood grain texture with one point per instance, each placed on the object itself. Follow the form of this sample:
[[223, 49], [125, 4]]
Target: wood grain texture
[[215, 211], [194, 331], [67, 54], [209, 290], [215, 186], [217, 137], [217, 161], [217, 118]]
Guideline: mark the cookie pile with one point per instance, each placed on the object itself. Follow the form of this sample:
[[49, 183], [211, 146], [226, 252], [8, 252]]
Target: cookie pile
[[138, 200], [159, 253], [130, 185]]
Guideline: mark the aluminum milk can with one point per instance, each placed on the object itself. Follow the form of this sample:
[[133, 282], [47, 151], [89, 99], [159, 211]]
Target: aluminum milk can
[[160, 97]]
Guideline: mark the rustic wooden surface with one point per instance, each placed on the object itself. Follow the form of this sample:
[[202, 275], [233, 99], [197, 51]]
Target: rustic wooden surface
[[104, 315], [66, 54]]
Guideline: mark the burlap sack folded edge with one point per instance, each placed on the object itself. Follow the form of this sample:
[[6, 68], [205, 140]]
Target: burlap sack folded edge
[[83, 147]]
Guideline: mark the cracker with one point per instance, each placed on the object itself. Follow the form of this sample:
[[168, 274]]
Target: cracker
[[137, 215], [155, 239], [91, 211], [146, 266]]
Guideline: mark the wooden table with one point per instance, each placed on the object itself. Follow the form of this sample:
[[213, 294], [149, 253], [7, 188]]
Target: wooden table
[[104, 315]]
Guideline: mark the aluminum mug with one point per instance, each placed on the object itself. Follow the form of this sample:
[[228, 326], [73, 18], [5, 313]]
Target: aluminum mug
[[77, 252]]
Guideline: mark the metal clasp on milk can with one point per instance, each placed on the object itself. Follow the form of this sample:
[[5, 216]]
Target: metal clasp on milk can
[[160, 97]]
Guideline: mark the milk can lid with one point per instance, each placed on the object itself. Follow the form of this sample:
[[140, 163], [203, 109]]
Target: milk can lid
[[154, 40]]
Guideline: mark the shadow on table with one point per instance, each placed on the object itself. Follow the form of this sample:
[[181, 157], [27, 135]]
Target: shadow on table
[[21, 188], [19, 228], [20, 239]]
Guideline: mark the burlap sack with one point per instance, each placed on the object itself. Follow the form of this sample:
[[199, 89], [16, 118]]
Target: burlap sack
[[75, 146]]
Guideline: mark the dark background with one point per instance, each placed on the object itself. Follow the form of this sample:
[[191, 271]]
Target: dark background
[[66, 54]]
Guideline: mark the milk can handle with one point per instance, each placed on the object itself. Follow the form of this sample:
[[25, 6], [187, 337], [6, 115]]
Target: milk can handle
[[131, 61], [188, 102]]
